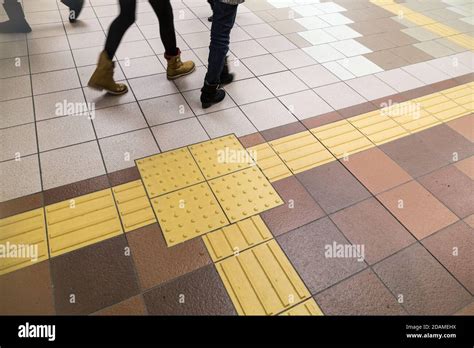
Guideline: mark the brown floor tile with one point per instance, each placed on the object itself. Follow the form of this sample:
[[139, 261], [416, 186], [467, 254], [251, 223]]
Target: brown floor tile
[[156, 263], [464, 126], [376, 170], [321, 120], [445, 84], [453, 188], [123, 176], [362, 24], [427, 288], [376, 42], [356, 110], [98, 275], [283, 131], [388, 100], [467, 310], [198, 293], [414, 156], [448, 144], [252, 139], [417, 209], [76, 189], [418, 92], [361, 294], [333, 186], [399, 38], [466, 166], [470, 220], [411, 54], [132, 306], [465, 78], [368, 223], [306, 248], [27, 291], [299, 207], [21, 205], [386, 59], [442, 245]]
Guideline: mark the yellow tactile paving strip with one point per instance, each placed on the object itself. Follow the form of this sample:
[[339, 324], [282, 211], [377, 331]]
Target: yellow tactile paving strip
[[245, 193], [188, 213], [221, 156], [235, 238], [133, 205], [22, 240], [272, 165], [169, 171], [82, 221], [261, 280], [306, 308], [301, 151], [342, 138]]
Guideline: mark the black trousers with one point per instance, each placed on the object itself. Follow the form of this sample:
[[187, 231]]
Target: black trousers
[[126, 18]]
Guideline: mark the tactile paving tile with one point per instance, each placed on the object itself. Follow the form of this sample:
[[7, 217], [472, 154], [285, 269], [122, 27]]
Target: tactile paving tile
[[245, 193], [261, 280], [221, 156], [301, 151], [235, 238], [306, 308], [133, 205], [169, 171], [417, 121], [188, 213], [82, 221], [447, 111], [342, 138], [378, 127], [269, 162], [22, 235]]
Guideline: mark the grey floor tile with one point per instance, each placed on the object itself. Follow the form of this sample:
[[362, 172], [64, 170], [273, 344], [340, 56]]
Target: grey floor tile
[[248, 91], [23, 178], [287, 26], [305, 104], [13, 49], [257, 31], [196, 40], [399, 79], [226, 122], [180, 133], [64, 131], [370, 87], [12, 67], [55, 81], [193, 99], [135, 49], [118, 119], [40, 63], [165, 109], [420, 33], [339, 95], [276, 44], [19, 141], [450, 66], [143, 66], [193, 81], [434, 48], [15, 112], [70, 164], [268, 114], [152, 86], [264, 64], [249, 48], [87, 56], [283, 83], [121, 150], [426, 73], [62, 103], [84, 40], [15, 88], [293, 59], [101, 99], [315, 76]]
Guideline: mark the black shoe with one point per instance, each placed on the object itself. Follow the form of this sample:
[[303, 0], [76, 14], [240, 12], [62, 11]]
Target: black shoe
[[75, 8], [226, 76], [209, 19], [211, 94]]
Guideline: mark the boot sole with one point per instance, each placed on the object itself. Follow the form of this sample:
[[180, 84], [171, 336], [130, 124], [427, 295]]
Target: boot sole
[[180, 75], [100, 89]]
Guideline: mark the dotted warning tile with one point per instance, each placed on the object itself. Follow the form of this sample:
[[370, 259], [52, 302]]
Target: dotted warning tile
[[188, 213], [342, 138], [272, 165], [261, 280], [169, 171], [301, 151], [236, 238], [82, 221], [133, 205], [308, 307], [245, 193], [22, 241], [378, 126], [221, 156]]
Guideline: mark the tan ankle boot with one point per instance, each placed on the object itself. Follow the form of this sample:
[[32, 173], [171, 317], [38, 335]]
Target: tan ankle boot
[[103, 77], [176, 68]]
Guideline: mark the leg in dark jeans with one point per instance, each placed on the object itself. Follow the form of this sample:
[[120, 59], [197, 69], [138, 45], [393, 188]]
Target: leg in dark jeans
[[120, 25], [223, 21], [164, 12]]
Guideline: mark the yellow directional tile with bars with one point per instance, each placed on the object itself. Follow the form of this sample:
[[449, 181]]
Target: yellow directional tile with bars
[[221, 156], [301, 151], [236, 238], [82, 221], [188, 213], [262, 281], [169, 171], [272, 165], [342, 138], [447, 111], [417, 120], [22, 241], [133, 205], [245, 193], [305, 308], [378, 127]]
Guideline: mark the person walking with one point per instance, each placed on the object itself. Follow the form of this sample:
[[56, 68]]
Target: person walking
[[102, 78], [223, 19], [75, 8]]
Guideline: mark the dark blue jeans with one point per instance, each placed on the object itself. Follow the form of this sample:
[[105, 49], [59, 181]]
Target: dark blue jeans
[[222, 23]]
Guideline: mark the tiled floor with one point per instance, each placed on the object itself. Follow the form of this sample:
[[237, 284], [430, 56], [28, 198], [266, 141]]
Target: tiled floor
[[359, 120]]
